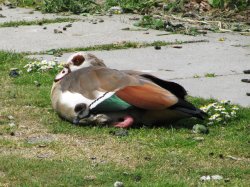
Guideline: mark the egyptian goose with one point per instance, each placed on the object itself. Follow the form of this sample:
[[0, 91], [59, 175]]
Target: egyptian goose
[[87, 87]]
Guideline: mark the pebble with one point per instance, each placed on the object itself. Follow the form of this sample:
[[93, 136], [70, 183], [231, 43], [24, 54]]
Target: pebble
[[10, 117], [56, 31], [64, 28], [213, 177], [68, 25], [101, 20], [199, 139], [1, 8], [246, 71], [245, 80], [119, 132], [248, 94], [44, 28], [14, 72], [12, 134], [118, 184], [177, 46], [38, 84], [200, 129], [157, 47], [12, 124], [90, 177]]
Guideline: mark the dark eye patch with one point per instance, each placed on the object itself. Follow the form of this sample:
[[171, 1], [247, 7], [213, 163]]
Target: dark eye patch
[[78, 60]]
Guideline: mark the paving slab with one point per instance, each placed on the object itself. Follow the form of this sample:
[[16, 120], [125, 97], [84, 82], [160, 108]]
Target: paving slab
[[81, 34], [20, 14], [222, 88]]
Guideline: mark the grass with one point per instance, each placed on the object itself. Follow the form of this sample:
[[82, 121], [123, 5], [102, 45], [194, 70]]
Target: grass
[[35, 22], [210, 75], [116, 46], [91, 156]]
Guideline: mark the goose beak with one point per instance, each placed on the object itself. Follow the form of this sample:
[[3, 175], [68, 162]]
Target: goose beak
[[62, 74]]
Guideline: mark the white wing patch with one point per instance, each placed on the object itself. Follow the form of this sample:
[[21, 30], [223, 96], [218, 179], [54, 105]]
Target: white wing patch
[[71, 99]]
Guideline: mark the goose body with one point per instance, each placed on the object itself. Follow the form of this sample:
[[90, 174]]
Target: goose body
[[132, 96]]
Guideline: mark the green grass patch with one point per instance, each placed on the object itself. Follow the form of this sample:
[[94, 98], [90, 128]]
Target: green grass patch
[[35, 22], [210, 75], [115, 46], [91, 156]]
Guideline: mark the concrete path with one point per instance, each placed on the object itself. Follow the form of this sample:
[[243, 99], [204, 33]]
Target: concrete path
[[226, 59], [20, 14]]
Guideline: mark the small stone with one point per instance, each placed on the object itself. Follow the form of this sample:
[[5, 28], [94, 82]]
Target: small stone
[[248, 94], [93, 158], [12, 124], [94, 22], [148, 158], [44, 28], [14, 72], [90, 178], [200, 129], [118, 184], [1, 8], [216, 177], [64, 28], [101, 20], [157, 47], [137, 178], [177, 46], [38, 84], [119, 132], [146, 33], [213, 177], [205, 178], [2, 16], [245, 80], [56, 31], [40, 23], [246, 71], [42, 145], [199, 139], [221, 156], [211, 154], [68, 25], [12, 134], [10, 117]]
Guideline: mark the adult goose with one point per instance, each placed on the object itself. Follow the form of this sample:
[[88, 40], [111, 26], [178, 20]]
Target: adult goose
[[87, 88]]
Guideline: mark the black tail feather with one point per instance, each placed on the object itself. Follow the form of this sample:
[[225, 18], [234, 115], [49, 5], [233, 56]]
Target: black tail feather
[[189, 109]]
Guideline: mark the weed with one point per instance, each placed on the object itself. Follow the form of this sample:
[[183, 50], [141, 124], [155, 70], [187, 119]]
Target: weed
[[114, 46], [36, 22], [211, 75]]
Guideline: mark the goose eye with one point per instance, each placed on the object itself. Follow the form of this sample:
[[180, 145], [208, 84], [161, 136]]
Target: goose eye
[[78, 60], [63, 71]]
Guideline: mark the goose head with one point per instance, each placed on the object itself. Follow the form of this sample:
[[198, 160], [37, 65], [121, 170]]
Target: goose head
[[78, 61]]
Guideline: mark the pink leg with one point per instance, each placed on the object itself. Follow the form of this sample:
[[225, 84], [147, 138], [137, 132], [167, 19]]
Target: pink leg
[[128, 121]]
